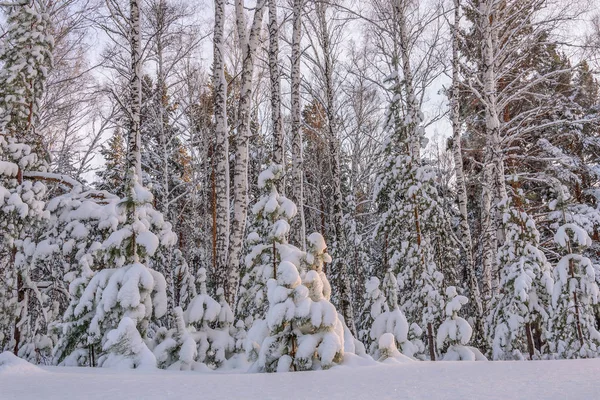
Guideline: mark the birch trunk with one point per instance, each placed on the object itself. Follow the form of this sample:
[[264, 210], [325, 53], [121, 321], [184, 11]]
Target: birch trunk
[[275, 76], [461, 187], [249, 44], [135, 87], [164, 145], [134, 160], [221, 150], [299, 233], [494, 184]]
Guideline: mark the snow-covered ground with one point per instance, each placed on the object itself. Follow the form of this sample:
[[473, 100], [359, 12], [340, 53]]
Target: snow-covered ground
[[356, 379]]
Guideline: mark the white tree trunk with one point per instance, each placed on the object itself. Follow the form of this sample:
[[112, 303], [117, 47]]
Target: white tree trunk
[[275, 75], [299, 231], [494, 187], [249, 44], [221, 153], [135, 86]]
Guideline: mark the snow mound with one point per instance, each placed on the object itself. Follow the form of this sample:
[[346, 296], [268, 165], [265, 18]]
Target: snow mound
[[11, 364]]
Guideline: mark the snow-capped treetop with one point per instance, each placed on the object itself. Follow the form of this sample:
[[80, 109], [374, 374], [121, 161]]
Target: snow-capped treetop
[[317, 251], [574, 233]]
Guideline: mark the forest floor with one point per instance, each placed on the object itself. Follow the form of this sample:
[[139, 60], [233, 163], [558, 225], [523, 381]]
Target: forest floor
[[355, 379]]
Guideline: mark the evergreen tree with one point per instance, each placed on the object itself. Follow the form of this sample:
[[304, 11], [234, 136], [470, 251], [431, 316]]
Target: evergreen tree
[[268, 239], [455, 332], [519, 317], [111, 175], [278, 349], [321, 342], [393, 321], [26, 57], [573, 326], [211, 321], [375, 305], [412, 226]]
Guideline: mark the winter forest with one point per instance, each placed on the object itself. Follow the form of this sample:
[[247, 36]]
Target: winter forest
[[278, 185]]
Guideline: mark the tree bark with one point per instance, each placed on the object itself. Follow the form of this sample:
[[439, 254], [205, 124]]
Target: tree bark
[[221, 151], [275, 75], [494, 187], [135, 87], [299, 232], [249, 43]]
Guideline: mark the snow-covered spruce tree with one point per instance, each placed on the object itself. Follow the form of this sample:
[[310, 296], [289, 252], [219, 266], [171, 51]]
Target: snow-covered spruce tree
[[375, 305], [392, 320], [175, 348], [125, 348], [321, 338], [108, 281], [114, 169], [210, 321], [277, 351], [26, 56], [573, 325], [304, 329], [183, 280], [517, 324], [268, 233], [455, 332]]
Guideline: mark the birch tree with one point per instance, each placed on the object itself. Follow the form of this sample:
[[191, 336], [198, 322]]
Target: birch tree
[[275, 75], [221, 155], [299, 231], [248, 40]]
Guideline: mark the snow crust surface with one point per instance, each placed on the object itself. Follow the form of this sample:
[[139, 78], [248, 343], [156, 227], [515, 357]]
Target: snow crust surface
[[356, 378]]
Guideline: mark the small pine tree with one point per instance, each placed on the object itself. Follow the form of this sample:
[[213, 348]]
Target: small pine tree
[[115, 165], [101, 298], [176, 348], [210, 321], [520, 315], [455, 332], [268, 234], [278, 349], [573, 326], [321, 343], [375, 305], [393, 321], [124, 348]]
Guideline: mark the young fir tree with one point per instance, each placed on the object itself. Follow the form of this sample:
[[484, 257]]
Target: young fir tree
[[392, 321], [267, 238], [455, 332], [304, 329], [26, 57], [375, 305], [321, 339], [175, 348], [111, 175], [517, 324], [573, 325], [277, 350], [210, 321]]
